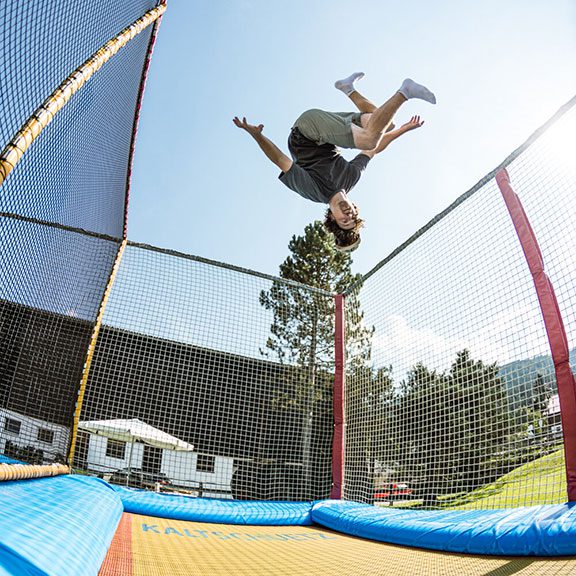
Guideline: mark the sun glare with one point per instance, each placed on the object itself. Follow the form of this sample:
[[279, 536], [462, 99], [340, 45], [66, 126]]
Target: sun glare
[[561, 145]]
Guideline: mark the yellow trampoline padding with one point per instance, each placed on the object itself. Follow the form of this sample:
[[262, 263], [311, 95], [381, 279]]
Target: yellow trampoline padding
[[163, 547]]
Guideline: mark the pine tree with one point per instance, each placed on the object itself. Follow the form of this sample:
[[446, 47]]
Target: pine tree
[[369, 394], [484, 405], [302, 331], [447, 427]]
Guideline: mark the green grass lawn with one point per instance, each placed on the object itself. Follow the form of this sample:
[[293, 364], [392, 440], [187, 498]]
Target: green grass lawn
[[542, 481]]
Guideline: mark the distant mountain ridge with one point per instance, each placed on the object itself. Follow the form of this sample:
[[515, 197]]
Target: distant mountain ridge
[[519, 376]]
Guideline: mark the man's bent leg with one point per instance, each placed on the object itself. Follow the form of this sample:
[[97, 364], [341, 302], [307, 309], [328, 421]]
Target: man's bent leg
[[367, 138], [346, 85], [362, 103]]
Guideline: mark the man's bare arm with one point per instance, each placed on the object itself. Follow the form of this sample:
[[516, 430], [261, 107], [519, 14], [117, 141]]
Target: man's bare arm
[[389, 137], [272, 151]]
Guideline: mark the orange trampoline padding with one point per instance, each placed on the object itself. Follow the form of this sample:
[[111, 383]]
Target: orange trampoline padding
[[151, 546], [118, 561]]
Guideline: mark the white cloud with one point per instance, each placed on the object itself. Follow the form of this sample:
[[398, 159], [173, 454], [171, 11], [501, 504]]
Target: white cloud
[[511, 335]]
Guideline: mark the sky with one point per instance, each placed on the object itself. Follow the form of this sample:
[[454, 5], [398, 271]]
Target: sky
[[499, 69]]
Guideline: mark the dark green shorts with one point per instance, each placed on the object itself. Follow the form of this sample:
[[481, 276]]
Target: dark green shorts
[[329, 127]]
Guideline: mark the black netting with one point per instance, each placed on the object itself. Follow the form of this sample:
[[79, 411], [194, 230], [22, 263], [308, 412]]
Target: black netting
[[460, 404], [43, 41], [183, 348], [75, 171], [62, 208], [451, 398]]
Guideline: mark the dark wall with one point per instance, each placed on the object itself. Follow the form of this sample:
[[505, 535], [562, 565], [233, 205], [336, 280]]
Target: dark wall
[[224, 404], [42, 356]]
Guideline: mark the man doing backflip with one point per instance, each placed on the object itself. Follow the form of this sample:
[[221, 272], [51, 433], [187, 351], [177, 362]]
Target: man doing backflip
[[318, 172]]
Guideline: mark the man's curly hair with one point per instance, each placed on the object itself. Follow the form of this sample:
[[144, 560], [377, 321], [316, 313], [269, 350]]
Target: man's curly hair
[[343, 238]]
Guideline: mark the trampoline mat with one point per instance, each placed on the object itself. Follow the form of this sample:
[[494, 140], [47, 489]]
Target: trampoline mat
[[151, 546]]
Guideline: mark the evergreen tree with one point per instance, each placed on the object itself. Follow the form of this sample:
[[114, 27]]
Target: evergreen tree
[[302, 331], [541, 394], [483, 403], [369, 394], [446, 428]]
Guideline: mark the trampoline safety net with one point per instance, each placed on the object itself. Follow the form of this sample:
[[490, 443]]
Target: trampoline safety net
[[171, 372]]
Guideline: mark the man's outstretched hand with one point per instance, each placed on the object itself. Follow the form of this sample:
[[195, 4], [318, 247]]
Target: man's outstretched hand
[[413, 123], [268, 147], [391, 135], [250, 128]]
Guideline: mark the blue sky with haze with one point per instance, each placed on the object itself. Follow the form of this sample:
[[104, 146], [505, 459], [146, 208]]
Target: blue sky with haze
[[499, 70]]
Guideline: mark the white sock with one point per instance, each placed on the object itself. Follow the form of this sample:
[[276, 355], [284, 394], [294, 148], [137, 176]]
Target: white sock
[[411, 89], [347, 84]]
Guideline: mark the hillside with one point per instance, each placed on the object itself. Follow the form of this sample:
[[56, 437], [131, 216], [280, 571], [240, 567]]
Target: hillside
[[542, 481]]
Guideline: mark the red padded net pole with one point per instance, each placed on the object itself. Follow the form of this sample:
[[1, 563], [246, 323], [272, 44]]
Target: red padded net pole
[[339, 384], [553, 322]]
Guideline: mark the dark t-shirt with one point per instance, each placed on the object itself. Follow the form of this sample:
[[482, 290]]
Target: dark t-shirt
[[319, 171]]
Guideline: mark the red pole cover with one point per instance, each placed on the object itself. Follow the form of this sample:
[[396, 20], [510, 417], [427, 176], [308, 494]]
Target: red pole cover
[[553, 322], [338, 399]]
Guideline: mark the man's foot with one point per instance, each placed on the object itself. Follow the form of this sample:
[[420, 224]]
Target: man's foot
[[347, 84], [411, 89]]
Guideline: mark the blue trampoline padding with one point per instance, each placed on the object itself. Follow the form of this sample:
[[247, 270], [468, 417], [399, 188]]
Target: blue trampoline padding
[[59, 526], [6, 460], [548, 530], [216, 511]]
